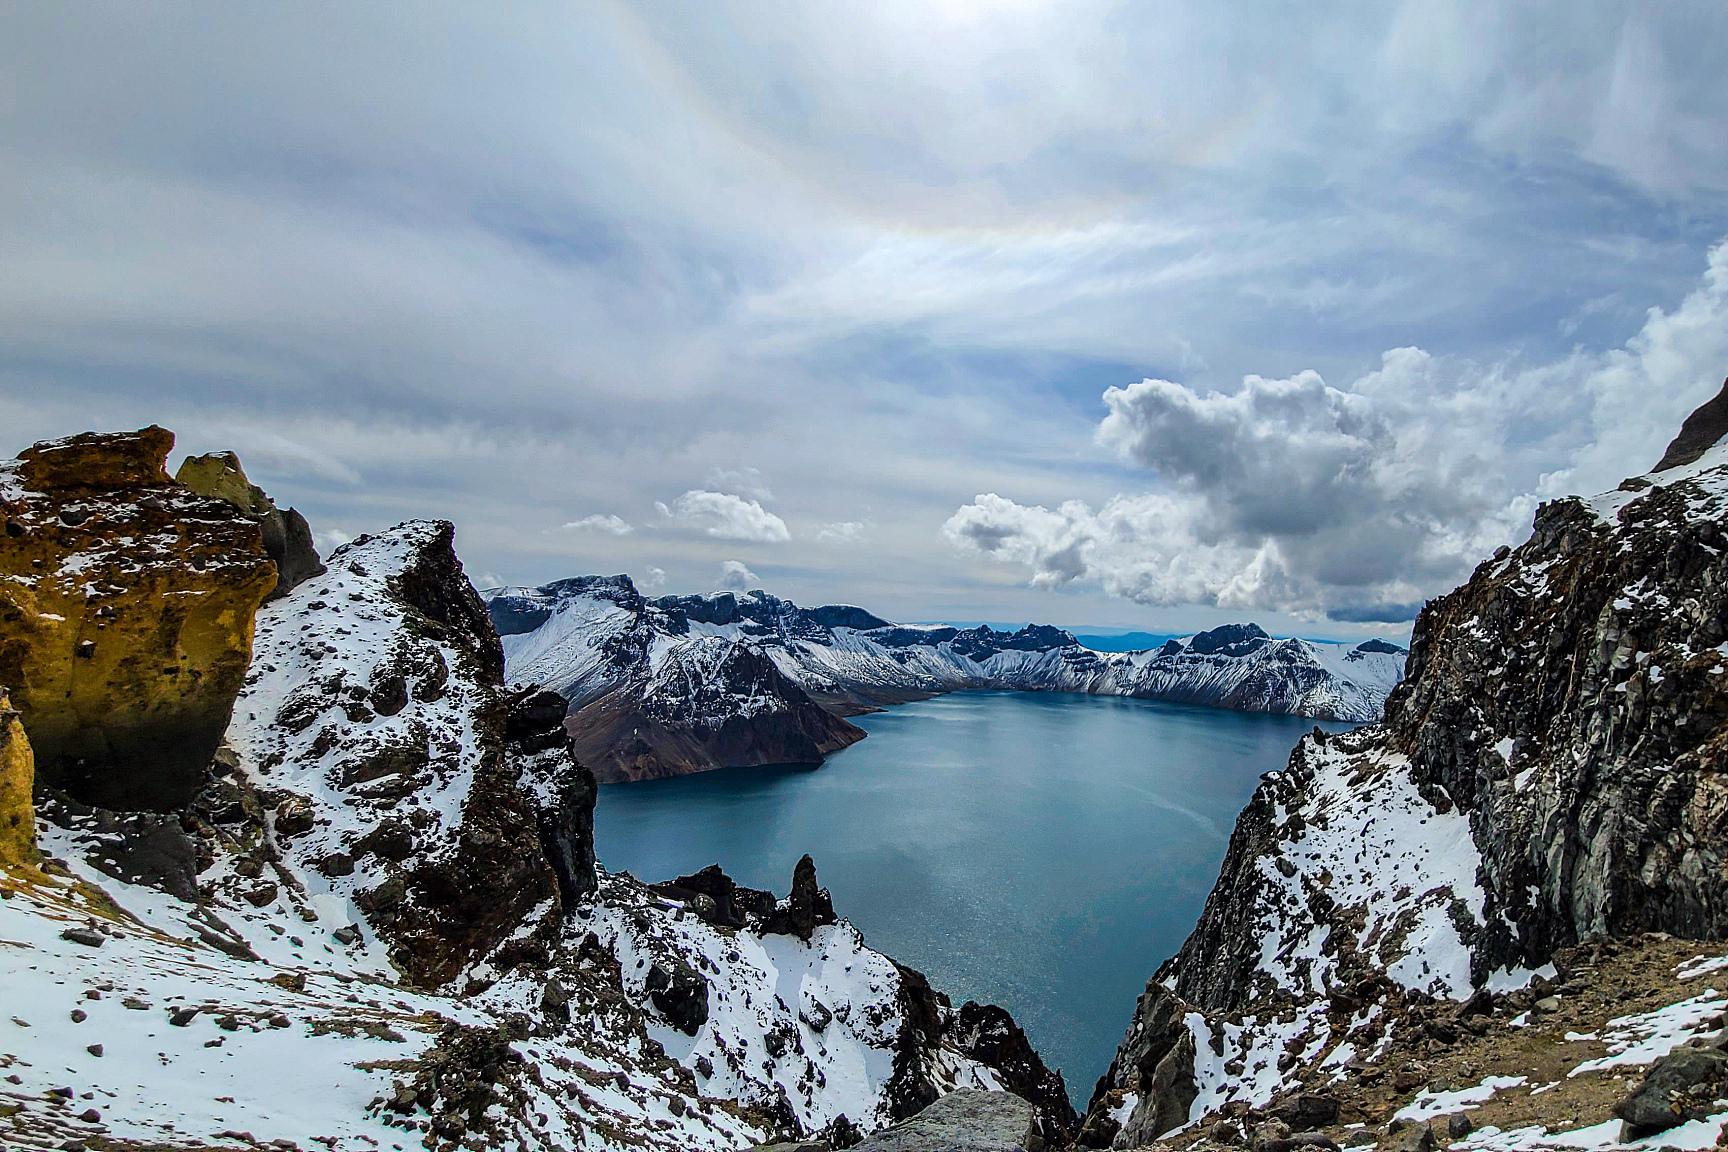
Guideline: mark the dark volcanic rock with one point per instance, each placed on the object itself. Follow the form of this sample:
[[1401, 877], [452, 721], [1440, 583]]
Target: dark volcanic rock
[[991, 1036], [728, 904], [1158, 1059], [680, 993], [1707, 425], [808, 907], [964, 1121], [1229, 640], [534, 728], [1683, 1085]]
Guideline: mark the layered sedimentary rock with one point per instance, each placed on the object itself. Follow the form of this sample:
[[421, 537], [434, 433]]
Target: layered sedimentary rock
[[287, 536], [1550, 772], [126, 608]]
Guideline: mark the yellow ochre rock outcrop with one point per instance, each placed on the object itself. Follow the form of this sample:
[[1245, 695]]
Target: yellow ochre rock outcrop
[[126, 609], [17, 772], [287, 536]]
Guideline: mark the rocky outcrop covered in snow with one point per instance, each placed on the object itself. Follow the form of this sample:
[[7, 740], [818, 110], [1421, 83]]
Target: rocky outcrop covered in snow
[[287, 536], [126, 605], [686, 683], [1549, 773], [374, 917]]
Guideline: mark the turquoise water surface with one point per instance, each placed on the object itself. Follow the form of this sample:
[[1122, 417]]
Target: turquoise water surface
[[1042, 851]]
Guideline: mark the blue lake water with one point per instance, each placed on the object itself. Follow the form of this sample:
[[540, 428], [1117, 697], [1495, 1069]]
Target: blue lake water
[[1041, 851]]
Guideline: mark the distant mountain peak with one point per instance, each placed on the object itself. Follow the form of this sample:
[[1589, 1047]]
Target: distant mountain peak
[[688, 683]]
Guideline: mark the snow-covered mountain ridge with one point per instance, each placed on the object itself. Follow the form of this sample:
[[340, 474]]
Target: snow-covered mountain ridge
[[1547, 778], [628, 662], [377, 922]]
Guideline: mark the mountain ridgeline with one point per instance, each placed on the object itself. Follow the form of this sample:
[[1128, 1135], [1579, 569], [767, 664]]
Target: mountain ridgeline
[[1547, 778], [678, 684], [288, 860], [344, 893]]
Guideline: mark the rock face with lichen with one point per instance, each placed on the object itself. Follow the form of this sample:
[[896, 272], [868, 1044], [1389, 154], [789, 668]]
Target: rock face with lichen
[[17, 774], [287, 536], [126, 609]]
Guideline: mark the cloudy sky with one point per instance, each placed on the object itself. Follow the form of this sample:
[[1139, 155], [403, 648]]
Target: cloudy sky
[[1106, 314]]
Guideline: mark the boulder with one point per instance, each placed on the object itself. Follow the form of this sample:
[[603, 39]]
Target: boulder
[[126, 613], [1308, 1110], [1683, 1085], [17, 775], [680, 993], [287, 536], [1407, 1136], [965, 1121]]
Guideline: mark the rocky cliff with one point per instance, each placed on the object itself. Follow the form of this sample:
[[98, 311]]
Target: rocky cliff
[[702, 707], [376, 918], [687, 683], [126, 606], [17, 779], [1548, 774], [287, 536]]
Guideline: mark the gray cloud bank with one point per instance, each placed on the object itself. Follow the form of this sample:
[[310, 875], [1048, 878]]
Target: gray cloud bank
[[1355, 502], [826, 265]]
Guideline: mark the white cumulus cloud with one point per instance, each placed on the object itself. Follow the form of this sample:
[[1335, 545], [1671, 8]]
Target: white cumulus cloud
[[735, 576], [601, 522], [752, 482], [1358, 501], [726, 516]]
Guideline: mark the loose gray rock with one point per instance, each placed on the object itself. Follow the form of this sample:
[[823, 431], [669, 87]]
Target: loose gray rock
[[1681, 1086], [965, 1121]]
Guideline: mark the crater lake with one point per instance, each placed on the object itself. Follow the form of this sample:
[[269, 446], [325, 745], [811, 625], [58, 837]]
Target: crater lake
[[1041, 851]]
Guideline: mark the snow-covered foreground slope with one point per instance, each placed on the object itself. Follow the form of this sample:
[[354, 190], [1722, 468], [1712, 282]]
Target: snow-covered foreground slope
[[1549, 773], [381, 923], [627, 662]]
